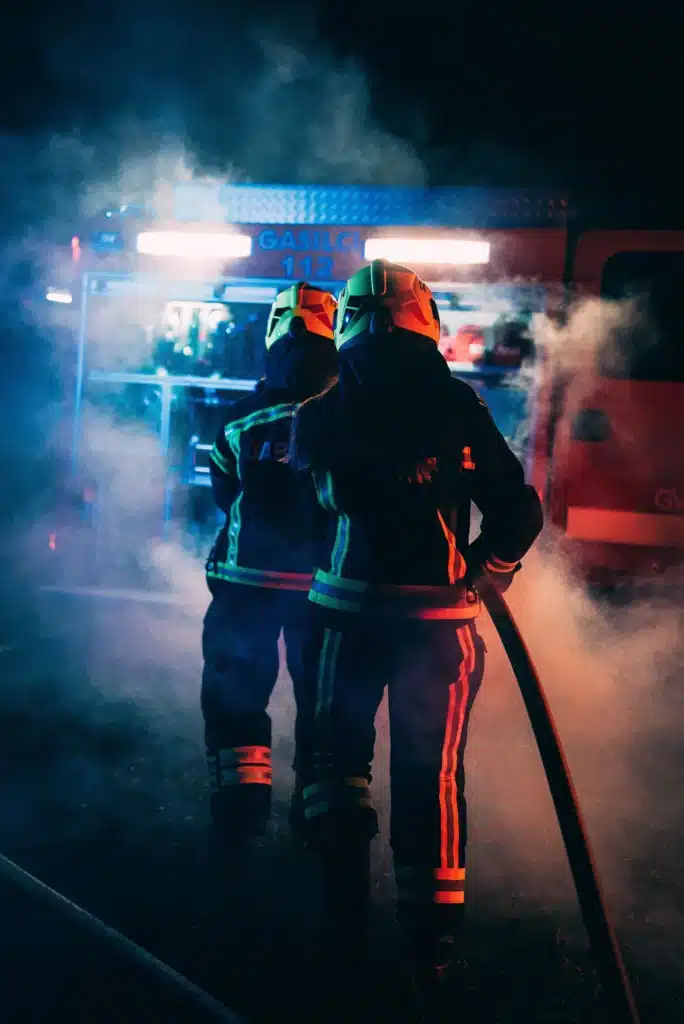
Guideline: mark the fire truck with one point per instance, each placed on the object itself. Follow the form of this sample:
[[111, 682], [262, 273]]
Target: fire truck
[[605, 445], [168, 304]]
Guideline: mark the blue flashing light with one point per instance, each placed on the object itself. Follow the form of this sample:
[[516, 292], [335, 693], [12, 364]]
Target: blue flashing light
[[360, 205]]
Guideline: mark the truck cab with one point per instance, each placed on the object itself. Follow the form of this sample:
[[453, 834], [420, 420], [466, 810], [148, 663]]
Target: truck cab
[[610, 431]]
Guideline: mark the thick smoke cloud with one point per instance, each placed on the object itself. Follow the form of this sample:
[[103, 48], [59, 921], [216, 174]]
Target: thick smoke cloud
[[610, 671]]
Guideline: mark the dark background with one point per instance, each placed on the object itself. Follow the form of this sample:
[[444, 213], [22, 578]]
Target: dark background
[[583, 97]]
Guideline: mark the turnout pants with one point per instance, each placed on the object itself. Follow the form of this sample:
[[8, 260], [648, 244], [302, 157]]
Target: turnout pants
[[240, 650], [433, 670]]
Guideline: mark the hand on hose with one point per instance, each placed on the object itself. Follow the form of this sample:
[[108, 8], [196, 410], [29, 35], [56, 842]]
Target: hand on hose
[[480, 560]]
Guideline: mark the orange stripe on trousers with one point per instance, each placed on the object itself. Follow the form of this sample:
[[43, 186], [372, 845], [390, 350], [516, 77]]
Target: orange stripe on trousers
[[456, 712]]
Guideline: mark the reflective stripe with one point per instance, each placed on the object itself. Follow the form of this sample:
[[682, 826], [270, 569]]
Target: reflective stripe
[[409, 895], [341, 547], [326, 671], [449, 897], [495, 564], [235, 516], [271, 412], [341, 581], [233, 433], [422, 885], [467, 459], [358, 781], [326, 497], [455, 556], [415, 602], [314, 810], [321, 797], [323, 485], [450, 874], [246, 774], [245, 765], [452, 614], [220, 461], [260, 577], [319, 484], [426, 591], [253, 755], [448, 797]]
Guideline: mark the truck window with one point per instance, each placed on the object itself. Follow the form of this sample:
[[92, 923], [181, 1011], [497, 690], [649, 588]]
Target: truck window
[[651, 347]]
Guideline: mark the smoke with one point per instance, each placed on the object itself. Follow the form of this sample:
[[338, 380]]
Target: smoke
[[610, 671], [115, 675], [312, 118], [298, 115]]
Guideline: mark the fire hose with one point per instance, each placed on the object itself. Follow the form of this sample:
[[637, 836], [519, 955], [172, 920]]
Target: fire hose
[[610, 967], [204, 1006]]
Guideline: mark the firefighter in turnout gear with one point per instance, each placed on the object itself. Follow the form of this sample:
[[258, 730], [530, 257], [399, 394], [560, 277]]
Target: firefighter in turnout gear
[[259, 569], [398, 450]]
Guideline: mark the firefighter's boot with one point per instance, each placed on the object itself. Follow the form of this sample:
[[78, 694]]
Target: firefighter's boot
[[429, 967], [239, 794], [431, 943], [344, 939]]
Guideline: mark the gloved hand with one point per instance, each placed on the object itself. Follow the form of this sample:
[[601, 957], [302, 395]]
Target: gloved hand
[[479, 559]]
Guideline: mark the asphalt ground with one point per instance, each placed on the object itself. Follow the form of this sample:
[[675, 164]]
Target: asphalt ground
[[102, 796]]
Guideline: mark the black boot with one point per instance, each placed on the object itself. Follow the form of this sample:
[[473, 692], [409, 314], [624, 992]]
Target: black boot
[[240, 811], [431, 941], [430, 964], [343, 938]]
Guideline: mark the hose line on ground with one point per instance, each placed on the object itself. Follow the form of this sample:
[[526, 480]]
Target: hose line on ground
[[211, 1009], [604, 945]]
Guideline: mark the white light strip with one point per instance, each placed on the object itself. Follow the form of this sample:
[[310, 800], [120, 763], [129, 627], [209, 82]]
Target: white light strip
[[193, 245], [59, 295], [256, 294], [456, 251]]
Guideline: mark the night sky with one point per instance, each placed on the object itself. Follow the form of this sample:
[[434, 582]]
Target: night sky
[[585, 98]]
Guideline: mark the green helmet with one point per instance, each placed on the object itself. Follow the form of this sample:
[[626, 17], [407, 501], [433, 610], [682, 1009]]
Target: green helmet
[[382, 296], [314, 308]]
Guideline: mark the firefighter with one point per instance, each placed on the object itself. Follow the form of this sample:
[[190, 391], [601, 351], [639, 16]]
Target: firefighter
[[259, 569], [398, 449]]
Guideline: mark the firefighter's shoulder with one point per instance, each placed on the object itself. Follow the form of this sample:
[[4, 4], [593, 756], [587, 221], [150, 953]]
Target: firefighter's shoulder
[[245, 406], [467, 397], [314, 423], [317, 408]]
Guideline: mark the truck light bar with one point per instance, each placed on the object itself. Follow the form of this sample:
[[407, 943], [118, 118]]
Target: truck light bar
[[193, 245], [456, 251]]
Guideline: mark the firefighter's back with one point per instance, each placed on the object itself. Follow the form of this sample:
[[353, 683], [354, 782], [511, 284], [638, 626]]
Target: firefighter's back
[[268, 529], [395, 525]]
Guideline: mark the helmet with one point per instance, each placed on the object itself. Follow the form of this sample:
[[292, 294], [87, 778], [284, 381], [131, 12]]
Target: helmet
[[383, 296], [304, 308]]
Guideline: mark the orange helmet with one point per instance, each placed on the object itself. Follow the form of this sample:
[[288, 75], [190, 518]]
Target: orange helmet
[[314, 307], [382, 296]]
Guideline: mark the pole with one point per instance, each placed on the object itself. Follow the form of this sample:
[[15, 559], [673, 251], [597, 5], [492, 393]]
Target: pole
[[80, 371], [602, 938], [207, 1007], [165, 445]]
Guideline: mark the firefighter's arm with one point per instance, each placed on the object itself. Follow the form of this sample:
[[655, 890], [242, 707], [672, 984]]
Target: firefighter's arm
[[225, 482], [512, 516]]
